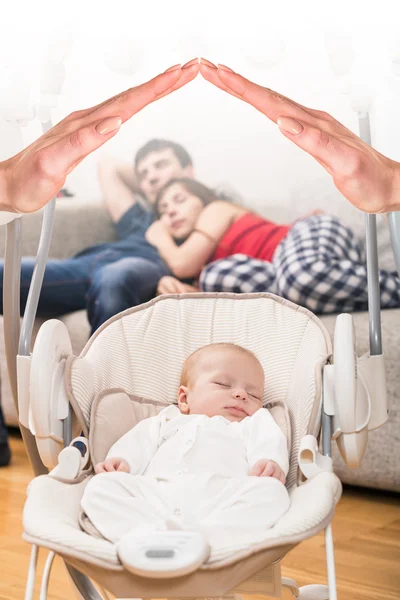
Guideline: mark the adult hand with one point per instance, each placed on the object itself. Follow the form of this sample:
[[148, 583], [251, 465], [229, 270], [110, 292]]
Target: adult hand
[[267, 468], [171, 285], [365, 177], [34, 176], [111, 465]]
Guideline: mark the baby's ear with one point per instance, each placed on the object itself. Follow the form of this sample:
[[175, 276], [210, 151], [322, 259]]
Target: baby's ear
[[182, 399]]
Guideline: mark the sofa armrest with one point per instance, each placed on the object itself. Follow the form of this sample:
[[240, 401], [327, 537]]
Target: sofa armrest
[[78, 224]]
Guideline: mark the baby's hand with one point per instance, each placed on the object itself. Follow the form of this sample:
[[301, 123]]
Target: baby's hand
[[268, 468], [112, 464]]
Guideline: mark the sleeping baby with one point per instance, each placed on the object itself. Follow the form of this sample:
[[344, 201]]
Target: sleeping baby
[[215, 463]]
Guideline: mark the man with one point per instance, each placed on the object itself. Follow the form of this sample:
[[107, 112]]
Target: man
[[108, 278]]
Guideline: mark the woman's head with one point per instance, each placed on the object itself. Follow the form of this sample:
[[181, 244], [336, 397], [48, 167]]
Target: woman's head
[[180, 202]]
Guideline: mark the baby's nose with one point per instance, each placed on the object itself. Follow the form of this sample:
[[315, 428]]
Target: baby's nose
[[240, 394]]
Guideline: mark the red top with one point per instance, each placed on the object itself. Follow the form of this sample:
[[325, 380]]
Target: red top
[[253, 236]]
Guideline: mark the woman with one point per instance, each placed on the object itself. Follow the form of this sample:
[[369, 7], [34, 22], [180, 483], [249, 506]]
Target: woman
[[315, 261]]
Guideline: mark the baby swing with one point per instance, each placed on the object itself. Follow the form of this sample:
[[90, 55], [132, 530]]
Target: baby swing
[[73, 408]]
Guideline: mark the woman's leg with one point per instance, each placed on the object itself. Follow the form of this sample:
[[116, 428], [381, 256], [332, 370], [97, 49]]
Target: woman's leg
[[238, 274], [319, 266]]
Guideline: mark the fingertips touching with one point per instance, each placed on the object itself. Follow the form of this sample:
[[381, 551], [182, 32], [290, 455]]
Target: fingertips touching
[[190, 63], [207, 63]]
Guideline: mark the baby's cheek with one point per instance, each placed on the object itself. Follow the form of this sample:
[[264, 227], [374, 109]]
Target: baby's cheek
[[255, 406]]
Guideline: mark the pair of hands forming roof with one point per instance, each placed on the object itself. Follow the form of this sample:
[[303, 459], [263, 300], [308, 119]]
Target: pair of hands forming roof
[[369, 180]]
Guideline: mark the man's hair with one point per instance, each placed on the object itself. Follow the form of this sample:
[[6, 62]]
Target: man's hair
[[190, 362], [156, 145]]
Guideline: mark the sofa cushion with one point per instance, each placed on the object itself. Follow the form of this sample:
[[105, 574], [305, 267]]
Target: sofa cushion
[[78, 224]]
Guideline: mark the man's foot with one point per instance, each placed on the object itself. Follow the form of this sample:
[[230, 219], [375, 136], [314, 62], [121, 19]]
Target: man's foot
[[5, 452]]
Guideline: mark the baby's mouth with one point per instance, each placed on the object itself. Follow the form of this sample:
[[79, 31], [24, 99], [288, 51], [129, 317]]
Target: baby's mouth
[[236, 410]]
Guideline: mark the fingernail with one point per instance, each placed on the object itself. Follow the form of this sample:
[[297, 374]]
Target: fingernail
[[108, 125], [225, 68], [190, 63], [290, 125], [174, 68], [208, 63]]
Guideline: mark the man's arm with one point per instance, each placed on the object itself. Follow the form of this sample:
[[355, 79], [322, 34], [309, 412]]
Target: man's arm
[[118, 184]]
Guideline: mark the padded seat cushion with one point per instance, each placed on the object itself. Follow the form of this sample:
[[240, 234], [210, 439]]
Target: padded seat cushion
[[52, 510]]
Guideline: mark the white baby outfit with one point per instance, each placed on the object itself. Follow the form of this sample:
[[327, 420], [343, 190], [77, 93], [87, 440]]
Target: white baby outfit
[[191, 472]]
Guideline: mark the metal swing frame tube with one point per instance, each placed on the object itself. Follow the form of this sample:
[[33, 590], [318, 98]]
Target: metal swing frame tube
[[374, 296]]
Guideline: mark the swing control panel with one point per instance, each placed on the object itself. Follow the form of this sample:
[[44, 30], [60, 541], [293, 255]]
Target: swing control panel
[[163, 554]]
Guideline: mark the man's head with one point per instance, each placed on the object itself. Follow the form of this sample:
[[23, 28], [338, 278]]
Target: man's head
[[221, 379], [159, 161]]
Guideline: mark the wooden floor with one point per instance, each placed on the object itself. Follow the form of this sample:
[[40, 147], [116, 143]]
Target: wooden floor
[[366, 531]]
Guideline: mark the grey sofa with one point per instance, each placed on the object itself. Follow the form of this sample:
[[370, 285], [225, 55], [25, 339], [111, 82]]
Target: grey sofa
[[79, 224]]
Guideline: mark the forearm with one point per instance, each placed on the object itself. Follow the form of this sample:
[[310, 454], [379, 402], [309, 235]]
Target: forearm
[[118, 195], [177, 259], [126, 173]]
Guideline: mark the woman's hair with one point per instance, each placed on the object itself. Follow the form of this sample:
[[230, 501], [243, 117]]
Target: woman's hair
[[206, 194]]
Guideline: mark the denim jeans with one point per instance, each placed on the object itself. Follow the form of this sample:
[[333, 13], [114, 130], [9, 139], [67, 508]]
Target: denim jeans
[[104, 283]]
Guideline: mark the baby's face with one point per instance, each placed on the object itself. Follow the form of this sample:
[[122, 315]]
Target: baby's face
[[225, 382]]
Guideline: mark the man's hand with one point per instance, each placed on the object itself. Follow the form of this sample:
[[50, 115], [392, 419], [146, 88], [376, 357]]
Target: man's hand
[[268, 468], [171, 285], [365, 177], [112, 464], [157, 233], [33, 177]]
